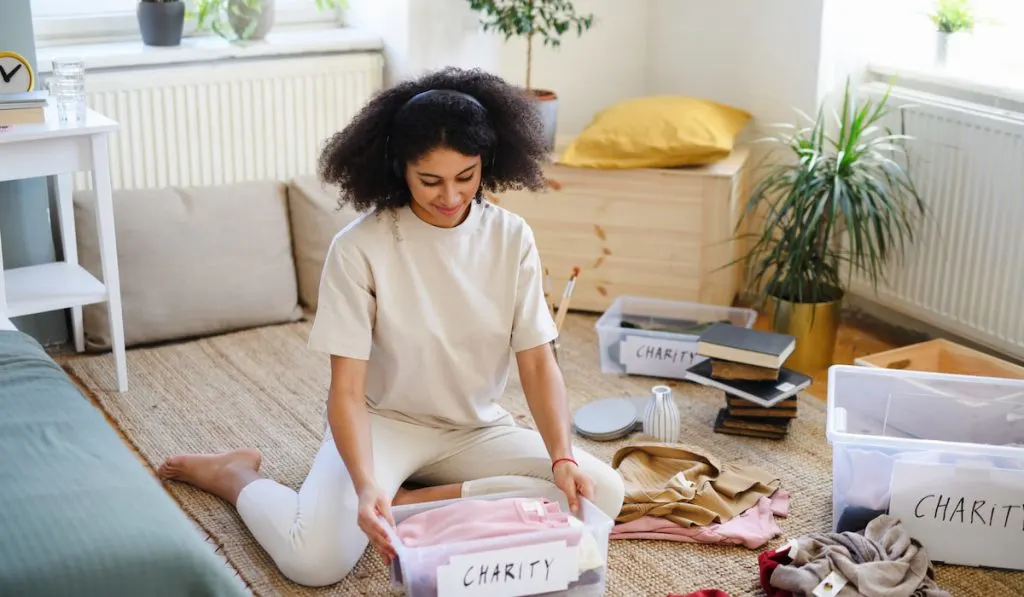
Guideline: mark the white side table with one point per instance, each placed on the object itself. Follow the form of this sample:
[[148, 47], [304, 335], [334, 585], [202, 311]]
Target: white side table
[[61, 149]]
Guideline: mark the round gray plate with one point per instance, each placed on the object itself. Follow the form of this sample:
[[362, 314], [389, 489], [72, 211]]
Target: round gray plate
[[607, 419]]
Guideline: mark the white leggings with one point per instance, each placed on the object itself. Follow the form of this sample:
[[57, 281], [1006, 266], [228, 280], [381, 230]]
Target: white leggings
[[313, 536]]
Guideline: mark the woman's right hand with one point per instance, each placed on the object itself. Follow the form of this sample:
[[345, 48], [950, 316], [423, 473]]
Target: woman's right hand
[[374, 503]]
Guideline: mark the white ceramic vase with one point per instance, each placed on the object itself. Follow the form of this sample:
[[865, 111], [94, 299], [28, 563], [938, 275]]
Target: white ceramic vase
[[661, 415], [942, 47]]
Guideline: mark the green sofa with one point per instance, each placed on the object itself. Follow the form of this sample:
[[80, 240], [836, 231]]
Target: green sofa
[[79, 513]]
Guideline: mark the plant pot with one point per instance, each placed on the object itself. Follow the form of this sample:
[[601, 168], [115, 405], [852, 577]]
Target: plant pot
[[547, 104], [942, 47], [241, 17], [161, 23], [814, 325]]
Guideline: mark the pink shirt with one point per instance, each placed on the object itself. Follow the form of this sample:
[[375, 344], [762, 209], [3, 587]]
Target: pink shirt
[[753, 528], [467, 520]]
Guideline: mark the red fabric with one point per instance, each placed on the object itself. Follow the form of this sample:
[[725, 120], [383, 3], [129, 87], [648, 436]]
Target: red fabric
[[704, 593], [767, 562]]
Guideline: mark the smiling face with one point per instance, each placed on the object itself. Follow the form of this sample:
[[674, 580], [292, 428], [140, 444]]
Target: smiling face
[[443, 182]]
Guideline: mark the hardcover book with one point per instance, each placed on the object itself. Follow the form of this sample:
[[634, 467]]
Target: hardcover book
[[763, 393], [743, 345]]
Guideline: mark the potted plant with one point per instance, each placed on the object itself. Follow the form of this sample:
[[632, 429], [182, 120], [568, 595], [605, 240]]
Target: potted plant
[[546, 20], [243, 20], [161, 21], [950, 17], [841, 201]]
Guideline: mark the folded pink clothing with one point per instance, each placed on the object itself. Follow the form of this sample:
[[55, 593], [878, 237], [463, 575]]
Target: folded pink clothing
[[780, 503], [467, 520], [753, 528]]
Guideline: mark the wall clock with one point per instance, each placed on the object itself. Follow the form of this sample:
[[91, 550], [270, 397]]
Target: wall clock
[[16, 74]]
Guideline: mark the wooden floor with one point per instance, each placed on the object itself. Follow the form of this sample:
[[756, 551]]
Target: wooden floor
[[856, 338]]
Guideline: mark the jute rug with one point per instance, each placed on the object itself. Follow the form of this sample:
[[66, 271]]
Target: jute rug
[[263, 388]]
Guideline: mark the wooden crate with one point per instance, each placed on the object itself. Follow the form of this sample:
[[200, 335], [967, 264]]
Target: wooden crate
[[657, 233], [942, 356]]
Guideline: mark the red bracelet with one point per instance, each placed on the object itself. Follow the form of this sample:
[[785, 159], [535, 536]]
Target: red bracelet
[[553, 464]]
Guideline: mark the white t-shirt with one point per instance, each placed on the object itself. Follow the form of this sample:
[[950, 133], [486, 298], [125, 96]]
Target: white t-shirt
[[438, 312]]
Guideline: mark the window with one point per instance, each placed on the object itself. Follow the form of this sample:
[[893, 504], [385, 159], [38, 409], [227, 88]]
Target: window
[[993, 54], [59, 22], [71, 8]]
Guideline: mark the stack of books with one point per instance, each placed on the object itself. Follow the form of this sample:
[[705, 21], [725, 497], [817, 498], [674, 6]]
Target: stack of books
[[22, 108], [746, 364]]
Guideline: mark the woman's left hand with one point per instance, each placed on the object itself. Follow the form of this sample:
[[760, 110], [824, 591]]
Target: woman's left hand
[[573, 482]]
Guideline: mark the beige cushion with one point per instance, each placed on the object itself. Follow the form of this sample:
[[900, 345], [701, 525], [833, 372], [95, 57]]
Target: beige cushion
[[315, 218], [193, 261]]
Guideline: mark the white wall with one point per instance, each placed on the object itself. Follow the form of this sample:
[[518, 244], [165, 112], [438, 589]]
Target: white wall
[[761, 56], [389, 19], [766, 57], [421, 35], [606, 65]]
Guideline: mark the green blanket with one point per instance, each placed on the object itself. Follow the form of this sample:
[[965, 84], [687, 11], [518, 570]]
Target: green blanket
[[79, 514]]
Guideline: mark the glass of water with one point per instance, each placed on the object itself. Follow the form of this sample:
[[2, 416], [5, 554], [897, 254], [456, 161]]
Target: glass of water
[[67, 88]]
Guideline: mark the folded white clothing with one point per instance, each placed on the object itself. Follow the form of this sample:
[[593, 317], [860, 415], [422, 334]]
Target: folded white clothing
[[589, 552], [869, 482]]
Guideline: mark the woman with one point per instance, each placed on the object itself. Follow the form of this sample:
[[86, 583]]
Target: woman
[[422, 301]]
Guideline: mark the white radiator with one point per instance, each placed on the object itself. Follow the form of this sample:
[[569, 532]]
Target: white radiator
[[965, 272], [231, 121]]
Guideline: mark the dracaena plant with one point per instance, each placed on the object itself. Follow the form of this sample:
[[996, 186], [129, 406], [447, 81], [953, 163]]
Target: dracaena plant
[[547, 20], [843, 202]]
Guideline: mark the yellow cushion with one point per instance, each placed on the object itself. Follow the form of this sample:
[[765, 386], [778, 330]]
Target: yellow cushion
[[657, 132]]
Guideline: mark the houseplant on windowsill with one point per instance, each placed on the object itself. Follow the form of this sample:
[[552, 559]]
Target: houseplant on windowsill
[[841, 203], [546, 20], [244, 20], [161, 21], [950, 17]]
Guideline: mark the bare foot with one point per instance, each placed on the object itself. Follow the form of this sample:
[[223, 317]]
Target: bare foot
[[427, 494], [401, 496], [224, 475]]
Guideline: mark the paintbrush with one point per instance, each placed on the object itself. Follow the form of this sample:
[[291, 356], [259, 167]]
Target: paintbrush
[[563, 306]]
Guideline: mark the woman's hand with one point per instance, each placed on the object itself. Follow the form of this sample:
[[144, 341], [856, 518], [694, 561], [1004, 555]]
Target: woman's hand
[[374, 503], [573, 482]]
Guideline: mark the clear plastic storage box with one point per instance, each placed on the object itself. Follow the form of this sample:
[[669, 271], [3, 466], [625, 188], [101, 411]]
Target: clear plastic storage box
[[943, 453], [656, 337], [562, 561]]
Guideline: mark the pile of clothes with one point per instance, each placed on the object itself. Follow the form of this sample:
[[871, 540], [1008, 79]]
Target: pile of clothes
[[882, 560], [440, 533], [680, 493]]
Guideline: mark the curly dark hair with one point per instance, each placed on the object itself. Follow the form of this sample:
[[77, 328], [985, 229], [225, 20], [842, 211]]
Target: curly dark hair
[[508, 134]]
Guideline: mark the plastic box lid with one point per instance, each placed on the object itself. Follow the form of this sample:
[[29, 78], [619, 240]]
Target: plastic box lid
[[912, 409], [652, 310]]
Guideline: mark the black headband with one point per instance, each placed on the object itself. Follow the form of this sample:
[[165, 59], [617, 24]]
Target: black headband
[[443, 92], [395, 165]]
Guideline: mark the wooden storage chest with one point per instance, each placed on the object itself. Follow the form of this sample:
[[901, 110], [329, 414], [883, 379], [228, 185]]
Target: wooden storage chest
[[657, 233], [942, 356]]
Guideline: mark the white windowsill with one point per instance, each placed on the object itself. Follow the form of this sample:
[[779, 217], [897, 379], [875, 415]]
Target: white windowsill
[[206, 48], [996, 89]]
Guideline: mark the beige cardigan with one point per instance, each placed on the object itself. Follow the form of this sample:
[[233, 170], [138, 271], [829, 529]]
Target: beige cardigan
[[686, 486]]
